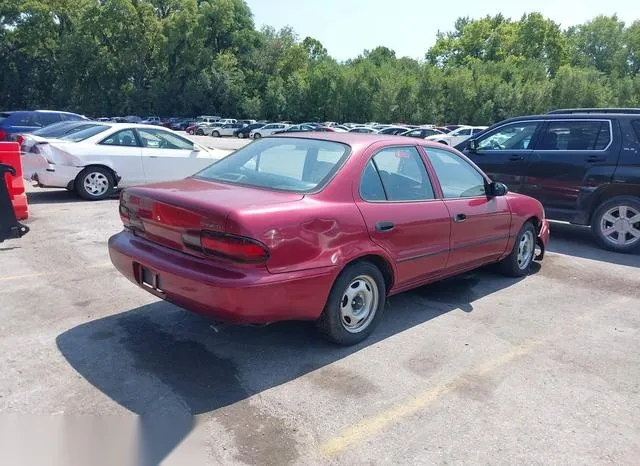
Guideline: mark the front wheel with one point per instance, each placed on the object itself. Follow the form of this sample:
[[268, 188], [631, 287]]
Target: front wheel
[[616, 224], [354, 306], [518, 262], [94, 183], [190, 132], [257, 136], [215, 134], [200, 132]]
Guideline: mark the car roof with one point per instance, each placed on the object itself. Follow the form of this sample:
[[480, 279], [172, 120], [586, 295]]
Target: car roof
[[359, 140]]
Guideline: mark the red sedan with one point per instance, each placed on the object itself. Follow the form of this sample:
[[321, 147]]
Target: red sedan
[[321, 226]]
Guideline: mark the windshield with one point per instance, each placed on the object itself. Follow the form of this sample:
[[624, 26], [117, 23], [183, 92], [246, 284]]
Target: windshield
[[285, 164], [85, 133]]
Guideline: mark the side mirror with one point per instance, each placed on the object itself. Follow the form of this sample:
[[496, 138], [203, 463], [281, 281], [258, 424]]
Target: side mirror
[[498, 189], [472, 146]]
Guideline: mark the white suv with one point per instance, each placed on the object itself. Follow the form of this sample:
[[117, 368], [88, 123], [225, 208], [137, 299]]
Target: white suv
[[267, 130]]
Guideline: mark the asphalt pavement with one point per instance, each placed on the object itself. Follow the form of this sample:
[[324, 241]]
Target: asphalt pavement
[[474, 370]]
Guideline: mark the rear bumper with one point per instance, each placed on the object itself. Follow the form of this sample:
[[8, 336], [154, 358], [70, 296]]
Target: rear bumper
[[223, 293], [55, 176], [543, 239]]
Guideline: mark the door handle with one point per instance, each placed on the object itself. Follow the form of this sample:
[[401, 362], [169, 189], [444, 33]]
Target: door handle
[[384, 226], [153, 156], [595, 158], [515, 158], [459, 218]]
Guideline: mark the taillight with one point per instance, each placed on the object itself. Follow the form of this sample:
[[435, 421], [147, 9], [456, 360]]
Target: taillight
[[233, 247], [20, 139], [3, 135]]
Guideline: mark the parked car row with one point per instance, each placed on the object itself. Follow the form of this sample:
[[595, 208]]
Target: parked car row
[[93, 158]]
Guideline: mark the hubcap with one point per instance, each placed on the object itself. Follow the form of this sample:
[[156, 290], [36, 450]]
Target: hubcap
[[526, 249], [358, 304], [96, 184], [620, 225]]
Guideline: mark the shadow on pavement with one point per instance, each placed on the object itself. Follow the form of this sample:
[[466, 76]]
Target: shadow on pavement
[[167, 364], [574, 240], [58, 196]]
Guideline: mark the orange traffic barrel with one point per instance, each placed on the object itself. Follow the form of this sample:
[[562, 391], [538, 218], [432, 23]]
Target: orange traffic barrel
[[10, 155]]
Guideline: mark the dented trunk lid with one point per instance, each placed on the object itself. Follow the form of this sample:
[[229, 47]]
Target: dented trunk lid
[[163, 212]]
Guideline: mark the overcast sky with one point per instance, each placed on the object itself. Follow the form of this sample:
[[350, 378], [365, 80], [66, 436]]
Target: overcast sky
[[347, 27]]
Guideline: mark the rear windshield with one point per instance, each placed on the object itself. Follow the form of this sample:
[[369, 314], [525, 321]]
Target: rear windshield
[[285, 164], [85, 133]]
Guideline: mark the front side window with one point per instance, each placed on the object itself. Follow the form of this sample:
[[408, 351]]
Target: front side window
[[291, 164], [576, 135], [402, 175], [158, 139], [516, 136], [120, 138], [47, 119], [458, 178]]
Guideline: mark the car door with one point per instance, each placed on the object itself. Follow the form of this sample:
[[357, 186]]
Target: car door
[[504, 152], [123, 151], [167, 156], [480, 223], [568, 163], [402, 213]]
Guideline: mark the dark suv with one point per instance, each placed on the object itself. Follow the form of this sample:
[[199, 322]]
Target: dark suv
[[26, 121], [582, 164]]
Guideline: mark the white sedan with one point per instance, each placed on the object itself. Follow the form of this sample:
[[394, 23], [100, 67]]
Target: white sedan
[[457, 135], [95, 161]]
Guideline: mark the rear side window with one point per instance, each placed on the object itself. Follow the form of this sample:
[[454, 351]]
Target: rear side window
[[576, 135], [22, 119], [401, 174], [295, 165]]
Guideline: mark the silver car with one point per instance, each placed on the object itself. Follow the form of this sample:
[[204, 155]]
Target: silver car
[[225, 130]]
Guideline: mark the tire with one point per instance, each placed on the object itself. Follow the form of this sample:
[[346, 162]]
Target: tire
[[215, 134], [518, 262], [190, 132], [612, 220], [200, 132], [257, 136], [240, 135], [95, 183], [357, 284]]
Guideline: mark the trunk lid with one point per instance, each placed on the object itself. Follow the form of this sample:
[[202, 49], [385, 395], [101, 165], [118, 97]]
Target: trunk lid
[[163, 212]]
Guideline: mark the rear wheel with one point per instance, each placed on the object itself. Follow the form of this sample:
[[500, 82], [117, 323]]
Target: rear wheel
[[354, 306], [616, 224], [518, 262], [190, 132], [200, 132], [94, 183]]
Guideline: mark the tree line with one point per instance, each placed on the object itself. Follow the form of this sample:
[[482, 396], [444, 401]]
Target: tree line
[[190, 57]]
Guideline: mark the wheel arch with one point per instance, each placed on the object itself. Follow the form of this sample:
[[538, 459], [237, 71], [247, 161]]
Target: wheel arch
[[116, 177], [381, 263], [607, 192]]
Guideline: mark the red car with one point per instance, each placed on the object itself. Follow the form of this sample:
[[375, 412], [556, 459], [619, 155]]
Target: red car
[[191, 129], [321, 226]]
